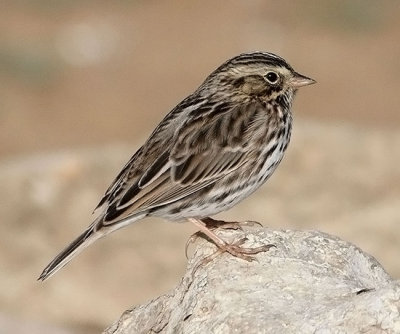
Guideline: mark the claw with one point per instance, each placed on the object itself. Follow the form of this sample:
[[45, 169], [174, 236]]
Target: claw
[[191, 240], [251, 223], [206, 260]]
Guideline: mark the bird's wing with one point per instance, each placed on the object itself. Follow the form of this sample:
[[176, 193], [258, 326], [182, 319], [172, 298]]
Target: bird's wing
[[204, 150], [120, 181], [159, 141]]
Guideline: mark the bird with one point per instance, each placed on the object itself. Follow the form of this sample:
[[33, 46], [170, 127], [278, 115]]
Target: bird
[[211, 151]]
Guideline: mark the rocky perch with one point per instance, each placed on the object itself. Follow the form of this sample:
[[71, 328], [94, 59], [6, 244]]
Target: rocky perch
[[310, 282]]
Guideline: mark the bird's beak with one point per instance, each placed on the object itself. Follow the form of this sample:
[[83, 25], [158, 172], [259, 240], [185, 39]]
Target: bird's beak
[[298, 80]]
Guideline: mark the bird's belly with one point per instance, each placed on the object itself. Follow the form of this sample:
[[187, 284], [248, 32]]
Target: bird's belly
[[228, 192], [242, 187]]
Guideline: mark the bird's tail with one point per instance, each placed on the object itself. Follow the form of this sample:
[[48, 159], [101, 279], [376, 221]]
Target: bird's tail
[[95, 231], [77, 246]]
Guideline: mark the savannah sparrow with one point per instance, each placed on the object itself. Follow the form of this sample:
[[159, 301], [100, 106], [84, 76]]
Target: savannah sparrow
[[210, 152]]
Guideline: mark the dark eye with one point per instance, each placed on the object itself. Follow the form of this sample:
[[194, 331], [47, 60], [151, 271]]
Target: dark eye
[[272, 77]]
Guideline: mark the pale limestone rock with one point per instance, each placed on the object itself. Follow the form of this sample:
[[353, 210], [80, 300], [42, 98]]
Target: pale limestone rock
[[310, 283]]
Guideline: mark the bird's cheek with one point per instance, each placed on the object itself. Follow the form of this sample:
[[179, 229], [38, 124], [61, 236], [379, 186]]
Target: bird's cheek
[[247, 89]]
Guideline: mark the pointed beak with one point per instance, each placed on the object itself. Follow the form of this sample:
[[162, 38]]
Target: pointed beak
[[298, 80]]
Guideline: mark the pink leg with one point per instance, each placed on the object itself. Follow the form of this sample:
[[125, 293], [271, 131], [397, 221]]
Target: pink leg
[[233, 249]]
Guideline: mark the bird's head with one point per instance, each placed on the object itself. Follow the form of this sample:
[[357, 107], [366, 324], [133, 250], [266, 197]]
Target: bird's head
[[258, 74]]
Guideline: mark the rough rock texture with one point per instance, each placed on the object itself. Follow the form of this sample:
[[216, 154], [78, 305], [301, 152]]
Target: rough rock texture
[[310, 283]]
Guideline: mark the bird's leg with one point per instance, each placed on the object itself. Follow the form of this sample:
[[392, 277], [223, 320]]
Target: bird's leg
[[234, 249]]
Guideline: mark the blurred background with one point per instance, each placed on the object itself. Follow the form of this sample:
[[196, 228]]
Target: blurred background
[[83, 83]]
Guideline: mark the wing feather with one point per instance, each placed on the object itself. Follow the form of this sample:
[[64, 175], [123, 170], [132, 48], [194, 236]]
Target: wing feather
[[202, 152]]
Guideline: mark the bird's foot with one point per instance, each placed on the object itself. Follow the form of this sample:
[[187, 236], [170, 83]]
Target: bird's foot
[[213, 224], [236, 250], [243, 253]]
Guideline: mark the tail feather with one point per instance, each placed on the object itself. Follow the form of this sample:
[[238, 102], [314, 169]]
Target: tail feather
[[95, 231], [77, 246]]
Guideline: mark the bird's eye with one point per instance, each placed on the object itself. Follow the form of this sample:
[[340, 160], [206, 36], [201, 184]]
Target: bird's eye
[[272, 77]]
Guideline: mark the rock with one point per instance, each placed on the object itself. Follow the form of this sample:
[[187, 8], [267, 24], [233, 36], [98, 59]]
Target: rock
[[310, 282]]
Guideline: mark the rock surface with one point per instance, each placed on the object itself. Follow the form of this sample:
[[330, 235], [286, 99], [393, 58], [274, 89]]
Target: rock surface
[[310, 283]]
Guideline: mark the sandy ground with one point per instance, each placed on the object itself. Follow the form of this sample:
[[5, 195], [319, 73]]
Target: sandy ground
[[82, 86]]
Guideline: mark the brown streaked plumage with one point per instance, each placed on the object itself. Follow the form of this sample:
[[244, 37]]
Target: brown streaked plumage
[[211, 151]]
